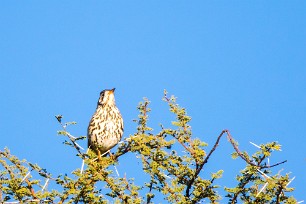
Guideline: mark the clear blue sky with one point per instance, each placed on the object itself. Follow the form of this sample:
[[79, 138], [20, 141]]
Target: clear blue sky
[[239, 65]]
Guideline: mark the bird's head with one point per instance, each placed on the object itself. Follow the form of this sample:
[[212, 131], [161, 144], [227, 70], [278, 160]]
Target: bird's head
[[107, 97]]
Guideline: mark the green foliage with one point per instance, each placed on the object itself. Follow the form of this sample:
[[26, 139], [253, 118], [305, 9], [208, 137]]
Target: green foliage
[[255, 183], [17, 183], [175, 175]]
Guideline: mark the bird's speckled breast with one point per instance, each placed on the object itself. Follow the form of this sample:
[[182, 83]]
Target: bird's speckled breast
[[105, 128]]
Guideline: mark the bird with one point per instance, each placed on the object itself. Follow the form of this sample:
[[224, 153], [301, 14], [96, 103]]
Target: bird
[[105, 128]]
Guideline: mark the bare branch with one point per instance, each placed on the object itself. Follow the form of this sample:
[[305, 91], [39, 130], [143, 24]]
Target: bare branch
[[200, 166]]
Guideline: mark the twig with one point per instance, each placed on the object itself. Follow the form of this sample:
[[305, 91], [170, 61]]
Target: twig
[[161, 180], [150, 189], [113, 187], [270, 166], [31, 188], [71, 138], [200, 166], [213, 149], [182, 143], [231, 140]]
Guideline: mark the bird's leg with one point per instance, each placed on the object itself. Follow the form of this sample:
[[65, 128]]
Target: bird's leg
[[111, 155], [99, 155], [103, 155]]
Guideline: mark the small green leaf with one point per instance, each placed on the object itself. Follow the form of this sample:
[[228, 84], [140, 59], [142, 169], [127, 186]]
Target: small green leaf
[[235, 155], [62, 132]]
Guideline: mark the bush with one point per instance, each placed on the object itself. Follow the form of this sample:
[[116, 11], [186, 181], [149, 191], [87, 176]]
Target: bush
[[174, 175]]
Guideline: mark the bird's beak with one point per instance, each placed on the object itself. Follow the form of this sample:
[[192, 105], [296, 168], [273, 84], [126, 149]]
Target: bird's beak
[[113, 90]]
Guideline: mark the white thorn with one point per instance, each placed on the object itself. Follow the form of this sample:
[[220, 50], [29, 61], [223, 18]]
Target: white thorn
[[302, 201], [268, 161], [71, 136], [263, 188], [73, 139], [255, 145], [279, 172], [105, 153], [79, 146], [82, 167], [33, 200], [25, 176], [46, 183], [83, 162], [290, 181], [116, 171], [263, 174]]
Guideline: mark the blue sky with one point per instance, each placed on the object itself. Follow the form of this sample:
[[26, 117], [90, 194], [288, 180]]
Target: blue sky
[[238, 65]]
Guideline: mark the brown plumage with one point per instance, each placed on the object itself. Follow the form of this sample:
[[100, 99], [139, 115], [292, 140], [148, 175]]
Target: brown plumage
[[105, 128]]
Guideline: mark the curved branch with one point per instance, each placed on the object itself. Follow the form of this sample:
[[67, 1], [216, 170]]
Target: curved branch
[[199, 167]]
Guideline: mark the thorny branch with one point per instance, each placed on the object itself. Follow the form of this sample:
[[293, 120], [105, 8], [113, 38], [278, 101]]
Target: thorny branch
[[71, 138], [200, 166], [247, 180], [19, 165], [235, 146], [182, 143], [231, 140]]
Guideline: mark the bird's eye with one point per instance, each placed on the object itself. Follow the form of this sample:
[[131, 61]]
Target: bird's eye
[[102, 93]]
